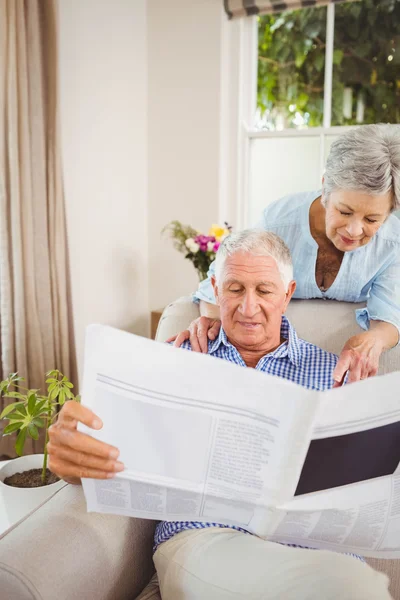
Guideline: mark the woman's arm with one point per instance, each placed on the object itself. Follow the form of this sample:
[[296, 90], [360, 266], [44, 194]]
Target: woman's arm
[[361, 353], [205, 290], [209, 310], [381, 317], [382, 313], [385, 333]]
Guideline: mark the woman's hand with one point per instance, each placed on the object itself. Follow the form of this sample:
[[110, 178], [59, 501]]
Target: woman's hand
[[200, 331], [72, 454], [360, 357]]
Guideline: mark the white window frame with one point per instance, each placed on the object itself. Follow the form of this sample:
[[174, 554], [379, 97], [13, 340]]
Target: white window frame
[[238, 102]]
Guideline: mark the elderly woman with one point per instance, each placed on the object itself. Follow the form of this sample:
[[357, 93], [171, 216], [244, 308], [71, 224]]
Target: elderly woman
[[345, 245]]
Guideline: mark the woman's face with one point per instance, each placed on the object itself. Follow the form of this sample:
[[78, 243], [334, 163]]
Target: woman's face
[[352, 218]]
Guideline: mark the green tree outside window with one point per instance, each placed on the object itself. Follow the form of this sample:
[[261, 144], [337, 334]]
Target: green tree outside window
[[366, 71]]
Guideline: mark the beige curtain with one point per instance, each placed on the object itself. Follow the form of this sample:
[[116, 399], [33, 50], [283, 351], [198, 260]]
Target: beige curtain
[[247, 8], [35, 315]]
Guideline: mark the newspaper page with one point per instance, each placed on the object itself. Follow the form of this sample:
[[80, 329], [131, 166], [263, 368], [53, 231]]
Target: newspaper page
[[348, 495], [201, 439], [205, 440]]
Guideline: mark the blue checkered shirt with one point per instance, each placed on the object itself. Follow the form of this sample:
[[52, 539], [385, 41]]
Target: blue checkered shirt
[[296, 360]]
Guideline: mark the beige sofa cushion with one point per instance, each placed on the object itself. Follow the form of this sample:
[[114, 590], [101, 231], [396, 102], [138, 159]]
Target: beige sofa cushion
[[60, 552], [151, 591]]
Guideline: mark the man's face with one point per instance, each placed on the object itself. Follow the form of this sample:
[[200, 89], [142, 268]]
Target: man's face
[[252, 298]]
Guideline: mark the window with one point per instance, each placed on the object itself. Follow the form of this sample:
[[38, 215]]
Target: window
[[296, 53], [366, 72], [291, 66], [320, 70]]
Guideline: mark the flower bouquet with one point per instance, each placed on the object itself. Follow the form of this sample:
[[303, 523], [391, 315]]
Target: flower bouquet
[[197, 247]]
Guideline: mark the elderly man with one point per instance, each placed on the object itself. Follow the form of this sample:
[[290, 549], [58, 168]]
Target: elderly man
[[253, 285]]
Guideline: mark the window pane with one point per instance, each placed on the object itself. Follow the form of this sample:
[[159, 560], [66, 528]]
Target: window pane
[[281, 166], [366, 74], [291, 61]]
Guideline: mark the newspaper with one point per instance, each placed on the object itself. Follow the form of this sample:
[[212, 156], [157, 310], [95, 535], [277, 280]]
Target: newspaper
[[205, 440]]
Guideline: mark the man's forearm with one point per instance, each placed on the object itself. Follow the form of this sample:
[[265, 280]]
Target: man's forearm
[[209, 310], [386, 333]]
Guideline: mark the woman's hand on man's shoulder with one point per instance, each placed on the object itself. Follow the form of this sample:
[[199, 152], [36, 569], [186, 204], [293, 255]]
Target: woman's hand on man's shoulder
[[199, 332]]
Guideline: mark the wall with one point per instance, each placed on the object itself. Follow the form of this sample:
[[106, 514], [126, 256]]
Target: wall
[[184, 50], [103, 96]]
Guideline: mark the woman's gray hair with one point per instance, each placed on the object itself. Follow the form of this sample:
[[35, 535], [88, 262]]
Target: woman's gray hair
[[366, 159], [258, 243]]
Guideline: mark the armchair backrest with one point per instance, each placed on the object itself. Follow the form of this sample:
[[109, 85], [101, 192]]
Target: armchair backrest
[[326, 323]]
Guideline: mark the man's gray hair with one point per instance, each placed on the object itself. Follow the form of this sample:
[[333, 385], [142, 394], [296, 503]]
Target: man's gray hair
[[365, 159], [258, 243]]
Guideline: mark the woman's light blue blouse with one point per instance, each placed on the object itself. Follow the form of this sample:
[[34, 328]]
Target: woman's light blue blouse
[[368, 274]]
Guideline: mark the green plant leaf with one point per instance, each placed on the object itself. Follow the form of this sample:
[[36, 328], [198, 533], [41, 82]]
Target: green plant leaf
[[312, 29], [68, 393], [78, 398], [13, 380], [337, 57], [302, 100], [9, 408], [12, 427], [39, 408], [300, 58], [33, 432], [54, 393], [4, 386], [14, 377], [278, 23], [61, 397], [32, 399], [16, 416], [38, 422], [319, 62], [52, 373], [20, 443], [22, 410]]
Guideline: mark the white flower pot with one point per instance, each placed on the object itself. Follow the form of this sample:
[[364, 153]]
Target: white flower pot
[[18, 502]]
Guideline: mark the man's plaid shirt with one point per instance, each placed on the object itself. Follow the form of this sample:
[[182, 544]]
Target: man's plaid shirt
[[295, 359]]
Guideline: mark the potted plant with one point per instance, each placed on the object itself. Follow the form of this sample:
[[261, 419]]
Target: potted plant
[[25, 482]]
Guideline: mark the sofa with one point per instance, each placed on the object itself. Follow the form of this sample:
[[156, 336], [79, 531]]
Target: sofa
[[61, 551]]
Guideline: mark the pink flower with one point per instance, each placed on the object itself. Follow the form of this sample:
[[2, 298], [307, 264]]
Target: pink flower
[[202, 241], [216, 246]]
